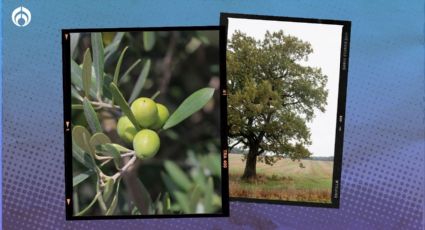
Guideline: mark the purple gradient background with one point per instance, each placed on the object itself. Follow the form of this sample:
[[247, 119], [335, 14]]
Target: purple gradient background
[[383, 164]]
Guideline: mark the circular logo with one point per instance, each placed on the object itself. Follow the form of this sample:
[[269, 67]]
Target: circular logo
[[21, 16]]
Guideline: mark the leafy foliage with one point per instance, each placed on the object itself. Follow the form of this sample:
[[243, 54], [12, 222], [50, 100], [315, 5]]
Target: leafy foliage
[[105, 165], [271, 96]]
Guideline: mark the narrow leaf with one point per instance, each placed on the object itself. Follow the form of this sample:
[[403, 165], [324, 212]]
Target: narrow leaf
[[166, 203], [190, 105], [81, 177], [148, 40], [98, 60], [140, 81], [194, 197], [82, 157], [125, 77], [81, 136], [114, 203], [86, 74], [118, 67], [77, 79], [82, 212], [113, 46], [91, 117], [109, 188], [76, 75], [208, 196], [183, 201], [155, 95], [140, 196], [199, 178], [75, 94], [121, 148], [99, 139], [178, 176], [119, 99]]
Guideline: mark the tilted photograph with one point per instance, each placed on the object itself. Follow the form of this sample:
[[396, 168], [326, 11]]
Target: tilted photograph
[[142, 123], [285, 94]]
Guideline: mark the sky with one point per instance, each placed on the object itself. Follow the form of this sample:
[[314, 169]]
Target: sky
[[326, 43]]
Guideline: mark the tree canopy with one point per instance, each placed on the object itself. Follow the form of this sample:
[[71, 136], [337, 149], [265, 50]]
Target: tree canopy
[[271, 96]]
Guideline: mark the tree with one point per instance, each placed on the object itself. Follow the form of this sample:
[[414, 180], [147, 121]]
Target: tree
[[271, 97]]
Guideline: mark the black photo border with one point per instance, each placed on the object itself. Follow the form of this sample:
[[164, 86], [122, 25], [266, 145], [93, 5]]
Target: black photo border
[[342, 95], [66, 68]]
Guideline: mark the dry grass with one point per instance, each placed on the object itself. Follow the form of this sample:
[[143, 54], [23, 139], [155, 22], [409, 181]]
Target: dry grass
[[285, 180]]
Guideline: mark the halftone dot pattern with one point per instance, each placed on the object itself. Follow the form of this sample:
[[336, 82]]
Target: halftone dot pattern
[[382, 183]]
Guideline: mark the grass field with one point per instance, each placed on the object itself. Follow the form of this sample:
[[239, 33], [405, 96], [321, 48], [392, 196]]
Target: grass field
[[285, 180]]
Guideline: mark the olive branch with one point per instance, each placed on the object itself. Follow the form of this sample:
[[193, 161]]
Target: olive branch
[[91, 147]]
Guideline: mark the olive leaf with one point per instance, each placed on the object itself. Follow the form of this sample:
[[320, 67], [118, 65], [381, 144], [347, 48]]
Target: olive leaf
[[86, 74], [91, 116], [109, 188], [183, 201], [99, 139], [113, 46], [119, 99], [79, 154], [76, 74], [166, 203], [190, 105], [194, 197], [148, 40], [213, 163], [177, 175], [98, 60], [140, 196], [86, 209], [75, 94], [140, 81], [81, 136], [208, 196], [77, 106], [199, 178], [125, 77], [114, 202], [82, 177], [118, 67], [121, 148]]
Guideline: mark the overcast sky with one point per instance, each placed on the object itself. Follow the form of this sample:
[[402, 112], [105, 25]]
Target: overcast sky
[[326, 43]]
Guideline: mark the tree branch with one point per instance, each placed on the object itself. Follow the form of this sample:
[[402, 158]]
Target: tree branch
[[232, 146], [167, 61]]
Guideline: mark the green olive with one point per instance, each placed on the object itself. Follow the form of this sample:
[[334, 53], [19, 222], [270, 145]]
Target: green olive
[[163, 115], [146, 143], [145, 111], [126, 129]]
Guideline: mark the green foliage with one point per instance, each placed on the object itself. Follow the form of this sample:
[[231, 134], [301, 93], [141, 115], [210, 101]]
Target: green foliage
[[87, 72], [102, 161], [148, 40], [140, 81], [271, 96], [189, 106]]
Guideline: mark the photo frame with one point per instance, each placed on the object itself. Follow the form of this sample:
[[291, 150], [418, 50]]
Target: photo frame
[[197, 186], [245, 46]]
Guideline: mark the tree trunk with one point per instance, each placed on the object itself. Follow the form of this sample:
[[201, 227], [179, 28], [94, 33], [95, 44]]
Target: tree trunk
[[251, 163]]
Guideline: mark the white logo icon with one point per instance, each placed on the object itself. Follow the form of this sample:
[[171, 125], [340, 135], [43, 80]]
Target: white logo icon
[[21, 16]]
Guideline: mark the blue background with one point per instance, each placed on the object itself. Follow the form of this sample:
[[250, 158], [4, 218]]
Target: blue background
[[383, 161]]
